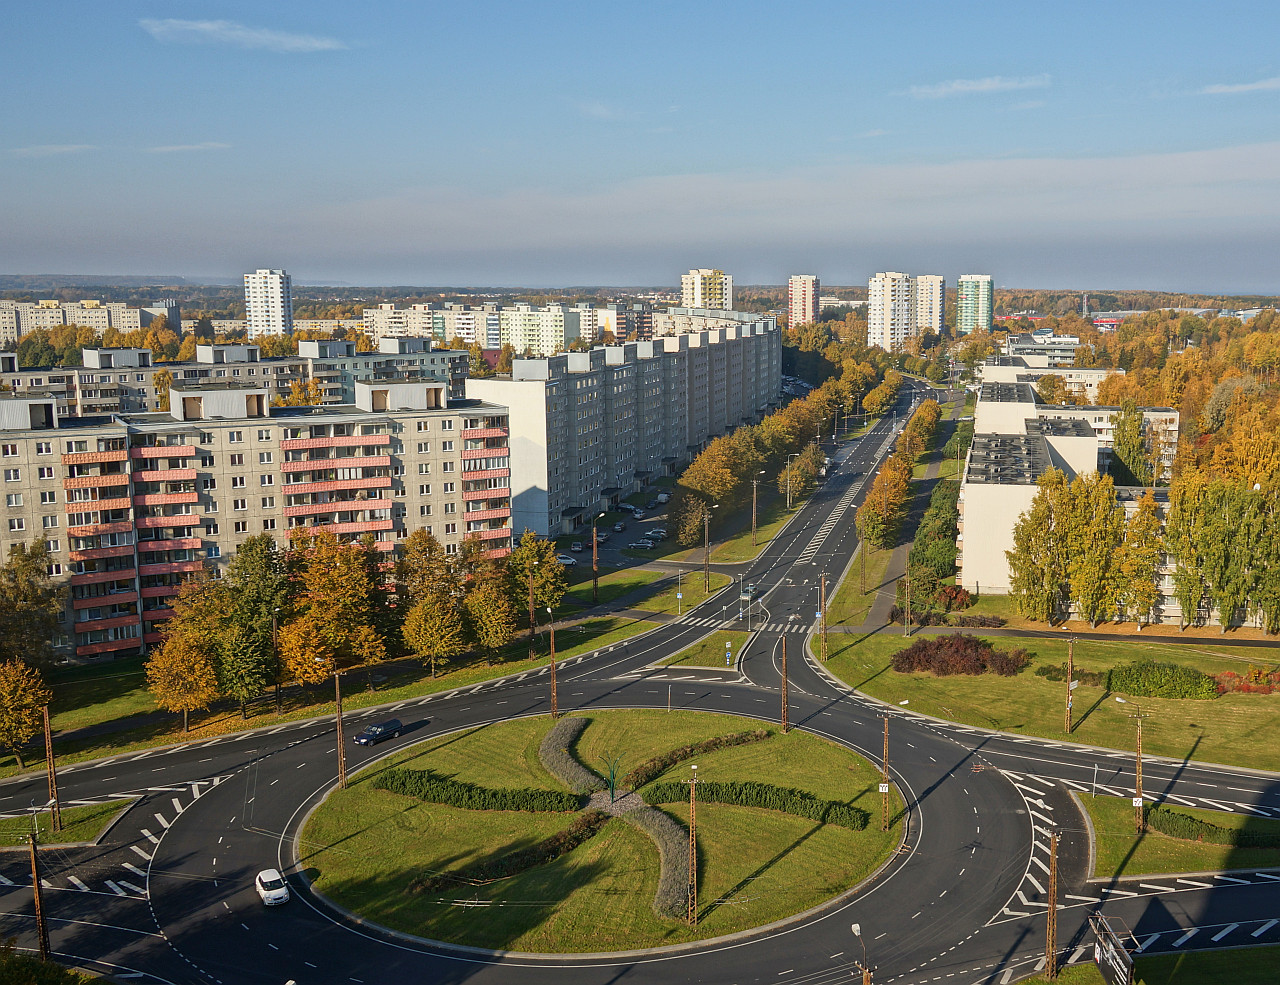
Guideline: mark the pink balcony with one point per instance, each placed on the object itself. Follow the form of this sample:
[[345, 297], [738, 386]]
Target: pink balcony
[[320, 464], [129, 619], [154, 615], [165, 475], [96, 481], [177, 544], [94, 577], [338, 485], [498, 552], [166, 499], [472, 453], [501, 513], [343, 441], [359, 527], [164, 451], [93, 529], [487, 474], [89, 505], [498, 534], [123, 598], [347, 506], [483, 433], [153, 639], [107, 647], [180, 520], [170, 567], [99, 552], [478, 494], [91, 457], [160, 591], [386, 546]]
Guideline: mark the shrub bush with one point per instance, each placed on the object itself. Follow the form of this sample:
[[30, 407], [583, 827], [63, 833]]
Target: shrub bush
[[1149, 679], [436, 788], [1058, 672], [584, 827], [978, 622], [749, 793], [672, 838], [653, 768], [958, 653], [1175, 824], [952, 597], [557, 756]]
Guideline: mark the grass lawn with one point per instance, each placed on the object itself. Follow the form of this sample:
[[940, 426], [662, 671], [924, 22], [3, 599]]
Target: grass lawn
[[78, 824], [850, 606], [1236, 728], [364, 845], [1120, 852], [86, 695], [613, 584], [771, 516], [710, 651], [690, 586], [1247, 966]]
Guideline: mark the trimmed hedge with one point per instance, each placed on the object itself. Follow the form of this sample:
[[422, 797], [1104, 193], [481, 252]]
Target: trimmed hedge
[[1178, 825], [584, 827], [958, 653], [562, 763], [653, 768], [750, 793], [438, 789], [672, 838], [1058, 673], [1149, 679]]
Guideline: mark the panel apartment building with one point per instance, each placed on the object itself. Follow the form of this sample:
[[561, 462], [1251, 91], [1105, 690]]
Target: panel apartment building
[[803, 291], [17, 318], [590, 428], [901, 306], [130, 505]]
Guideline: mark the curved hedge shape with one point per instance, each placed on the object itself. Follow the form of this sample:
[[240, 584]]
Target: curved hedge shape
[[1149, 679], [438, 789], [563, 764], [672, 838], [653, 768], [1179, 825], [584, 827], [749, 793]]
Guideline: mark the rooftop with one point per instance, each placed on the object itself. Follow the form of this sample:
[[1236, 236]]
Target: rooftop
[[1008, 393], [1059, 427], [1007, 459]]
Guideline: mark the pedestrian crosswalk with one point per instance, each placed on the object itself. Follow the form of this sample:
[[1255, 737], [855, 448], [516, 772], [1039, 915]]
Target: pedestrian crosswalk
[[712, 622], [829, 524]]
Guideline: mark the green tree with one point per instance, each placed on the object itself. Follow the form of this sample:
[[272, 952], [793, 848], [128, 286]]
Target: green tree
[[491, 619], [1093, 535], [424, 568], [535, 558], [22, 696], [1185, 537], [32, 604], [1037, 563], [433, 629], [261, 596], [1129, 463], [244, 666], [1139, 560], [181, 676]]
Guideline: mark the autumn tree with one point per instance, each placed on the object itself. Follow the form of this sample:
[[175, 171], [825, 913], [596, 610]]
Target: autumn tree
[[22, 696], [32, 604], [424, 567], [1139, 560], [181, 676], [491, 619], [1130, 465], [433, 629], [1038, 563], [341, 598], [302, 394], [162, 380], [1092, 538]]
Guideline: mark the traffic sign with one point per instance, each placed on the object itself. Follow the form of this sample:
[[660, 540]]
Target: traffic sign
[[1137, 801], [884, 788], [1074, 685], [679, 595]]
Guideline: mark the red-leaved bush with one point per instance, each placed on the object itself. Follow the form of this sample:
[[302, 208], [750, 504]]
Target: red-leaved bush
[[958, 653]]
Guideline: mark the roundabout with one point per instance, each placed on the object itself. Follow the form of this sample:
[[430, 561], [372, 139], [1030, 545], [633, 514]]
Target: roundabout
[[364, 848]]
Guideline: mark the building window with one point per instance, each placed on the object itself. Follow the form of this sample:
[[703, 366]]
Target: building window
[[424, 511], [424, 468], [446, 446], [242, 526], [13, 499], [17, 523], [9, 451], [424, 447], [44, 472], [237, 459], [446, 425], [447, 467], [237, 482], [52, 546], [207, 484], [264, 457], [268, 524], [450, 528], [49, 522], [74, 447], [211, 530], [44, 447], [267, 480], [213, 551], [234, 436], [206, 438], [55, 570], [264, 435], [451, 507], [424, 425], [239, 504], [268, 502], [47, 497], [212, 507], [12, 475], [424, 490], [449, 487]]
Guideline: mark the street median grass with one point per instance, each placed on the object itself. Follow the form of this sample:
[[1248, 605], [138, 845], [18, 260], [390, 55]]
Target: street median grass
[[709, 652], [690, 586], [613, 583], [1121, 852], [1237, 729], [364, 846], [850, 606], [1248, 966], [79, 824]]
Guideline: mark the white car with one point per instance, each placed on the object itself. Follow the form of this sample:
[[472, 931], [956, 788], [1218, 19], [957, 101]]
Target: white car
[[568, 560], [271, 887]]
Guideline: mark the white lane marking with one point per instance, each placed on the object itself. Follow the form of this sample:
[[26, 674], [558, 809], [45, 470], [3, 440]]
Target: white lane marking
[[141, 852], [1239, 882], [1198, 885], [137, 889], [1264, 928], [135, 870], [1186, 937], [1223, 933], [1147, 943], [116, 889], [78, 884], [160, 818], [177, 805], [150, 837]]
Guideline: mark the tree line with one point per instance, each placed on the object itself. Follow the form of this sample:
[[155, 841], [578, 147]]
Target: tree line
[[885, 505]]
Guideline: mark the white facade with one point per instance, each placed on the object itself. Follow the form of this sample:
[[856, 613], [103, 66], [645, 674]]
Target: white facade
[[974, 303], [891, 310], [268, 302], [931, 294], [705, 288], [802, 300]]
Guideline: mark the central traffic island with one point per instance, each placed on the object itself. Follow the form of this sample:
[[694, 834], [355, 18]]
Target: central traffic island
[[507, 837]]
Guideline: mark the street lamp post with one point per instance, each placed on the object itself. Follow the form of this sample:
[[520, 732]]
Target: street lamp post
[[754, 483], [533, 622], [555, 711], [275, 647], [337, 700], [595, 562], [706, 547], [863, 967], [789, 458], [1138, 820]]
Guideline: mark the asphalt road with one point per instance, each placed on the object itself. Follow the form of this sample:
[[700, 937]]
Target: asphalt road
[[168, 896]]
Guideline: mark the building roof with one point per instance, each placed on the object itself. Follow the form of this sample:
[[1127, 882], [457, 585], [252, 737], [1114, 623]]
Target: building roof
[[1059, 427], [1008, 393], [1007, 459]]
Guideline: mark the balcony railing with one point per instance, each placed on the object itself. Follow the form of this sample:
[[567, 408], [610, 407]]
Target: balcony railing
[[163, 451], [488, 474], [483, 433], [498, 513], [93, 457], [100, 552], [89, 505], [322, 464], [178, 544], [494, 534], [166, 499], [471, 496], [108, 646], [128, 619], [93, 577], [360, 527], [93, 529], [169, 568], [338, 485], [165, 475], [109, 481], [339, 441], [119, 598]]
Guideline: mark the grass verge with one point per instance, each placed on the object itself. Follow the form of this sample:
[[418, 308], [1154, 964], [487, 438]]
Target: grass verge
[[1119, 852], [363, 846], [690, 586], [850, 605], [710, 652], [1248, 966], [1235, 728], [78, 824]]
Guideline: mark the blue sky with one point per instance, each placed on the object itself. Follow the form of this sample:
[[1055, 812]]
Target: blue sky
[[1053, 145]]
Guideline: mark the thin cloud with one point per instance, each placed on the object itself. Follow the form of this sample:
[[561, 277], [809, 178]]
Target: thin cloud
[[170, 30], [1222, 89], [184, 148], [869, 134], [972, 87], [51, 150]]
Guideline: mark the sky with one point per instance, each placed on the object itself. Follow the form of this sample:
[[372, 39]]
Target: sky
[[1073, 145]]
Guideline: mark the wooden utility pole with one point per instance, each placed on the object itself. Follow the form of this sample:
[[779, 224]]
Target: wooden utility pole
[[42, 925], [342, 745], [754, 484], [862, 557], [785, 727], [906, 616], [555, 711], [533, 625], [1139, 821], [595, 564], [884, 780], [692, 916], [55, 809], [1071, 673], [1051, 915], [706, 551], [822, 612]]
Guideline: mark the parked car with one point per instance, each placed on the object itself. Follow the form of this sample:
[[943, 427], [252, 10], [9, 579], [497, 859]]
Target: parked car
[[657, 533], [626, 507], [619, 527], [602, 536], [641, 545], [664, 498], [651, 505], [638, 514], [568, 560], [373, 734], [576, 547], [271, 887]]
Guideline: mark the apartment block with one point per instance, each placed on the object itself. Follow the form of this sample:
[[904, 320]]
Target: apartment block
[[931, 296], [705, 288], [589, 428], [17, 318], [130, 505], [975, 303], [891, 310], [1016, 369], [803, 302], [268, 302], [684, 321]]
